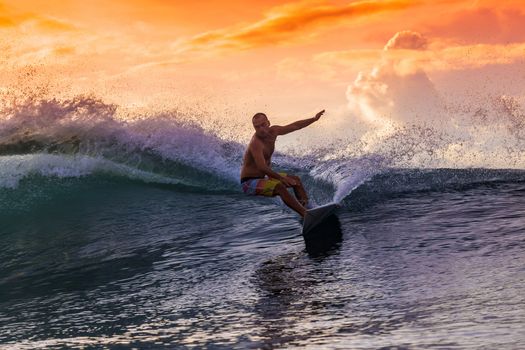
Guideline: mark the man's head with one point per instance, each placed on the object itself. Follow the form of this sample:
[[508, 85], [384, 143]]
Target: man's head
[[261, 125]]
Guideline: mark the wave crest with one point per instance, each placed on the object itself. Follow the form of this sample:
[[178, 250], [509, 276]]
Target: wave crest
[[161, 143], [82, 135]]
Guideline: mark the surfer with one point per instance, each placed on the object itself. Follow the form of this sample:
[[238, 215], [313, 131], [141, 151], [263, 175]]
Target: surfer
[[257, 176]]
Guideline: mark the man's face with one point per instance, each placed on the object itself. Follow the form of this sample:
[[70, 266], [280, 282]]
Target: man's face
[[262, 126]]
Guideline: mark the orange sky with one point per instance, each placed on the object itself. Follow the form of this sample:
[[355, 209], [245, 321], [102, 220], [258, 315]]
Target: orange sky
[[281, 56]]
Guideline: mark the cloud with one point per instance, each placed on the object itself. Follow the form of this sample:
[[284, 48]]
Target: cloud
[[52, 24], [407, 40], [473, 121], [407, 52], [389, 93], [290, 24], [439, 56], [282, 25], [13, 18], [6, 22], [64, 50], [385, 94]]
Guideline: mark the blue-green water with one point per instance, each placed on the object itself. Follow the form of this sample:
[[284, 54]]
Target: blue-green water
[[105, 261], [136, 235]]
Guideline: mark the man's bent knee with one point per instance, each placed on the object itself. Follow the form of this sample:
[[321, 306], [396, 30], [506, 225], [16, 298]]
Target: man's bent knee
[[279, 189], [297, 179]]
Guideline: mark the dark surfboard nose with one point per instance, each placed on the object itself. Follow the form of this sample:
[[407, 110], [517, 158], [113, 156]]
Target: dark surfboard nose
[[324, 237]]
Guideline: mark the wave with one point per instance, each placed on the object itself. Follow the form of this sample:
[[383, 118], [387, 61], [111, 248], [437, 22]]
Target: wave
[[409, 182], [86, 126], [17, 167], [28, 182], [84, 137]]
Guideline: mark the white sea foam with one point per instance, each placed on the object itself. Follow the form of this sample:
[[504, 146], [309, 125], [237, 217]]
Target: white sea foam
[[16, 167], [87, 135]]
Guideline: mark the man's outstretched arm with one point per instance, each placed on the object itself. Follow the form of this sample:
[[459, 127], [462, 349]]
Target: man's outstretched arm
[[283, 130]]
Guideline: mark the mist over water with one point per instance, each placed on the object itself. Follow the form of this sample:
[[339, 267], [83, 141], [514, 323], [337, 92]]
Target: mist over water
[[84, 135]]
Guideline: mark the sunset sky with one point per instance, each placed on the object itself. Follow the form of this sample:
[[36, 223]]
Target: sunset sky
[[370, 60]]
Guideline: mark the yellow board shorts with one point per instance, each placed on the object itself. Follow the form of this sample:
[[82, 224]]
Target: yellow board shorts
[[262, 186]]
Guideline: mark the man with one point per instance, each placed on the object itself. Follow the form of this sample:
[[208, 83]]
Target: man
[[257, 176]]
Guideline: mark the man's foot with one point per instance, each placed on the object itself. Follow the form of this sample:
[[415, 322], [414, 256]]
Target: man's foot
[[307, 204]]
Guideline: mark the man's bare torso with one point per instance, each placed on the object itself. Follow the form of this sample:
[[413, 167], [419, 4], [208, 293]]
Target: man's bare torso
[[249, 168]]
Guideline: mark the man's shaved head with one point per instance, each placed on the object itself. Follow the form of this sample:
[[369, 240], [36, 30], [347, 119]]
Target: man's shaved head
[[261, 124], [259, 115]]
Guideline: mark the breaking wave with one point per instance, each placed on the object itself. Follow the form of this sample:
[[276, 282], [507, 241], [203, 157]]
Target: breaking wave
[[84, 136]]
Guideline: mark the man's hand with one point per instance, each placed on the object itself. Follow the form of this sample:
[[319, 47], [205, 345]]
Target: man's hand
[[318, 115]]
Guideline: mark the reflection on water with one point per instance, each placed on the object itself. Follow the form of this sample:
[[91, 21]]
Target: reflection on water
[[428, 271], [286, 285], [308, 301]]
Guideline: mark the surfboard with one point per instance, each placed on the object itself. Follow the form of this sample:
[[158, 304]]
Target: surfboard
[[316, 215]]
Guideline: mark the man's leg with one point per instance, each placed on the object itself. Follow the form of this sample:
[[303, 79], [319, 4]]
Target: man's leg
[[281, 191], [299, 190]]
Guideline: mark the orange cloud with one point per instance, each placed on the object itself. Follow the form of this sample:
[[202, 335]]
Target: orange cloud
[[398, 88], [286, 24], [14, 18], [291, 24], [64, 50], [54, 24], [9, 19], [437, 57], [6, 22], [407, 40], [407, 52]]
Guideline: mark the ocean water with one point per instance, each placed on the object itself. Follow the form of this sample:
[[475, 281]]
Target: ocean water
[[119, 234]]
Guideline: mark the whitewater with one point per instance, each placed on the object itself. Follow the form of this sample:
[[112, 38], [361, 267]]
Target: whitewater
[[122, 231]]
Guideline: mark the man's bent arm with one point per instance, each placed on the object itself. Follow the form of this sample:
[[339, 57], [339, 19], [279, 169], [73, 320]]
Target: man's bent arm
[[260, 162]]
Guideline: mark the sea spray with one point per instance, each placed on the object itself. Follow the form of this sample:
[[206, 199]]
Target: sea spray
[[85, 134], [87, 126]]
